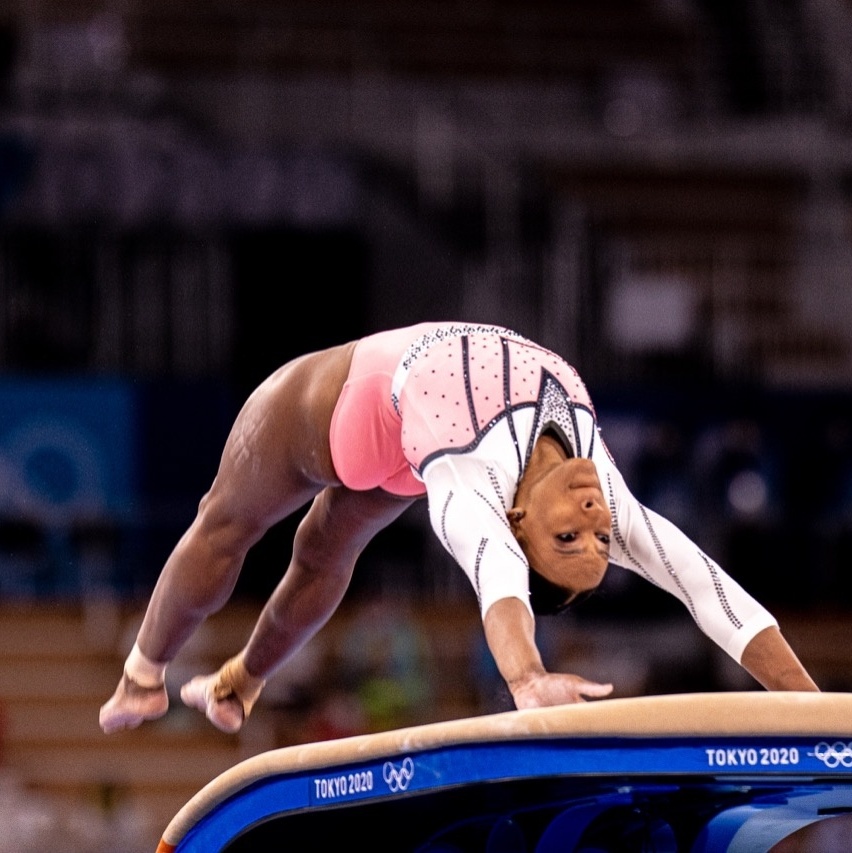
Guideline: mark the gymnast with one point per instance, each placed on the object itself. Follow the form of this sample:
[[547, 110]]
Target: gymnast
[[500, 436]]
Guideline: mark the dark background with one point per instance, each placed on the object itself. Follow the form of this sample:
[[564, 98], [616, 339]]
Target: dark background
[[191, 194]]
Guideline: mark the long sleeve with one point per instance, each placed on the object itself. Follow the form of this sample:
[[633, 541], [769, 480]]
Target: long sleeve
[[468, 499], [653, 547]]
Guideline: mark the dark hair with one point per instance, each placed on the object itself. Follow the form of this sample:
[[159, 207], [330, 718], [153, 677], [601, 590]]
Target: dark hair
[[550, 599], [546, 597]]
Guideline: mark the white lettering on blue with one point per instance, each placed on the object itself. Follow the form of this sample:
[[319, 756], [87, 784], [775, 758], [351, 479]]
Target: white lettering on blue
[[752, 757], [343, 785]]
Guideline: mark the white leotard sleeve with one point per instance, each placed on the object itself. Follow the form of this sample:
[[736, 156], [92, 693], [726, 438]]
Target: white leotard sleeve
[[650, 545], [468, 499]]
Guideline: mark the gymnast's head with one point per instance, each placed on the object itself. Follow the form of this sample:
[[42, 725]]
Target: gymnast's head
[[563, 525]]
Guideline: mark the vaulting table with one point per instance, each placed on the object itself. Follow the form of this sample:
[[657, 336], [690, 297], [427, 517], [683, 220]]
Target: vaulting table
[[700, 773]]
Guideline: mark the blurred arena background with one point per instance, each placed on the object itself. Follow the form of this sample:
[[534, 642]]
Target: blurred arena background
[[192, 193]]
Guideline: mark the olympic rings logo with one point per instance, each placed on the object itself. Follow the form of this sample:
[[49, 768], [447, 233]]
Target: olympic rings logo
[[836, 754], [398, 778]]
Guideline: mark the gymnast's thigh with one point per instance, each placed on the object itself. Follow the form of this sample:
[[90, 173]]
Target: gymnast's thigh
[[259, 480], [277, 455]]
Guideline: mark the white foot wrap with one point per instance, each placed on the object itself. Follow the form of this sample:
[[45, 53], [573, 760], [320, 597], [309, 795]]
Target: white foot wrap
[[142, 670]]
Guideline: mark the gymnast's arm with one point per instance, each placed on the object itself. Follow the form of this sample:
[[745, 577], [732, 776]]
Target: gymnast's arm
[[510, 634], [468, 514], [769, 659], [650, 545]]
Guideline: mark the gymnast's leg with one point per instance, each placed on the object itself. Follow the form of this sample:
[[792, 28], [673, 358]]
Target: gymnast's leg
[[328, 542], [275, 460]]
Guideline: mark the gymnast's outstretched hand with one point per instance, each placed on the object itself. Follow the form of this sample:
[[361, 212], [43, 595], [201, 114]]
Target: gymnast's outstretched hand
[[131, 705], [553, 688]]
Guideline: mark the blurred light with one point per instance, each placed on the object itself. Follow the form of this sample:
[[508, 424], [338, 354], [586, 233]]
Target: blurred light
[[651, 312], [747, 493]]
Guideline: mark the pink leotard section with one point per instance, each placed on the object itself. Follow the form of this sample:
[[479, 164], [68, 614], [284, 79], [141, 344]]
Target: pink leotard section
[[444, 403], [365, 434]]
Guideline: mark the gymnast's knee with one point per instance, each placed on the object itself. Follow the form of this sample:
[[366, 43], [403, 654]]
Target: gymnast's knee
[[221, 541]]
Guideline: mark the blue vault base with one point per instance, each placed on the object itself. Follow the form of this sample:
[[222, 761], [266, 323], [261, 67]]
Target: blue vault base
[[542, 781]]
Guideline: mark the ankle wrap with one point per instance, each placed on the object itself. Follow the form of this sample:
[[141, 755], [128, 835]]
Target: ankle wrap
[[142, 670], [235, 680]]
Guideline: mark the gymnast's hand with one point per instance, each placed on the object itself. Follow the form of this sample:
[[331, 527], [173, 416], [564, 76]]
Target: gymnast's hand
[[131, 705], [552, 688], [510, 633]]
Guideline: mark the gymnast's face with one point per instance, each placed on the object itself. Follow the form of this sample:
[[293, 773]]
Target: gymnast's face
[[564, 526]]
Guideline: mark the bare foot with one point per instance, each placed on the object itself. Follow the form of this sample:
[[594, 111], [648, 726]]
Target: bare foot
[[131, 705], [226, 713]]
